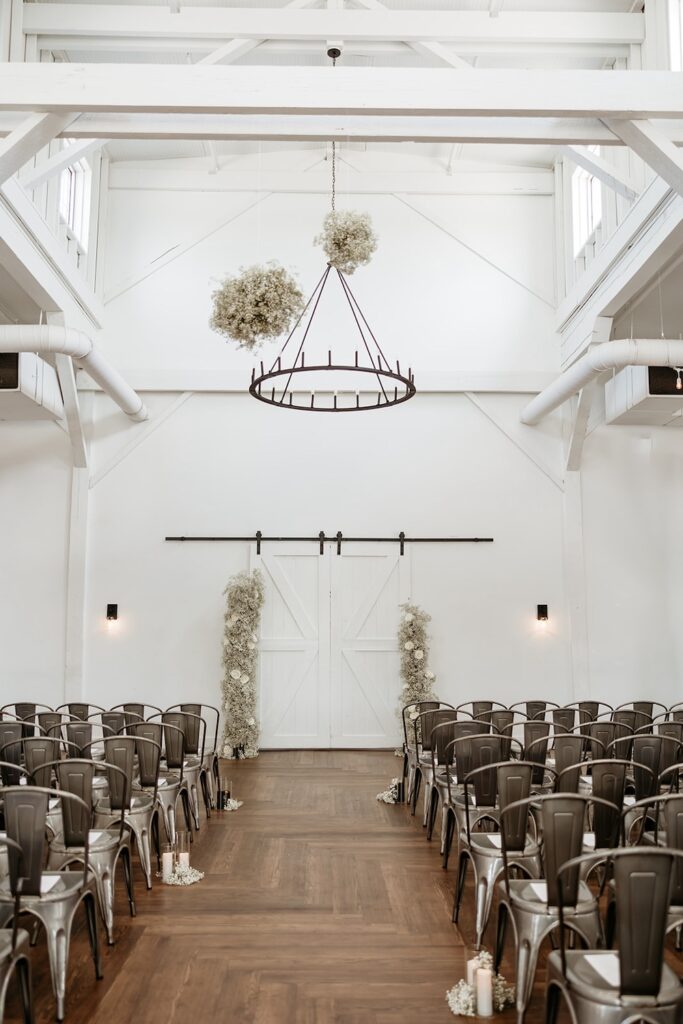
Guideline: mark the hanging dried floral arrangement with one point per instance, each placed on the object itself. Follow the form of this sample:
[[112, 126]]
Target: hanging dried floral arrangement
[[260, 303]]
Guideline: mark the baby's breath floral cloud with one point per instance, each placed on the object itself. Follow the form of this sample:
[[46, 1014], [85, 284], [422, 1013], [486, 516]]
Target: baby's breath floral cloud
[[347, 240], [245, 595], [261, 302], [413, 645]]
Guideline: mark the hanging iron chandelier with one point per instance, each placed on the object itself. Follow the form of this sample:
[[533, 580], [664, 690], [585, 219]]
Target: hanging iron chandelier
[[337, 384]]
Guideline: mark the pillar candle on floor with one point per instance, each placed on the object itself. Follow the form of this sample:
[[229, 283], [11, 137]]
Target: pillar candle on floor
[[484, 983]]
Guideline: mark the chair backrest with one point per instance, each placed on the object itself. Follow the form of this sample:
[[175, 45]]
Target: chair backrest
[[38, 751], [148, 739], [443, 733], [75, 775], [536, 733], [514, 785], [603, 732], [195, 731], [564, 719], [50, 722], [563, 818], [609, 777], [119, 753], [113, 722], [11, 735], [568, 750], [25, 809], [480, 751], [174, 739], [409, 713], [78, 710], [79, 733], [642, 881]]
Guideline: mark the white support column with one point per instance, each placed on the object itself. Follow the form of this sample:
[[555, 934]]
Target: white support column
[[575, 584], [16, 38], [67, 382], [75, 585], [36, 131], [650, 143], [601, 332]]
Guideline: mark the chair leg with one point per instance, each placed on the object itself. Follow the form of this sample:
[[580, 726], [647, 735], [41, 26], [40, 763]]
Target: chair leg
[[58, 937], [204, 780], [484, 901], [426, 803], [462, 874], [91, 916], [155, 836], [433, 808], [194, 805], [450, 830], [679, 937], [552, 1003], [186, 811], [128, 875], [500, 935], [25, 988], [416, 790], [142, 840]]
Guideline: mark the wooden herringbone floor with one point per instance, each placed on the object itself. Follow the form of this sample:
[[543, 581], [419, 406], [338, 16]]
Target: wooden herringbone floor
[[319, 905]]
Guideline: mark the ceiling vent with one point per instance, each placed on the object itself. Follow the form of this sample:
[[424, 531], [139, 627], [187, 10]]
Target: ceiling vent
[[646, 396], [29, 388]]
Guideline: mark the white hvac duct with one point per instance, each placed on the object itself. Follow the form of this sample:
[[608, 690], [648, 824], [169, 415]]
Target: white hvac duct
[[609, 355], [45, 338]]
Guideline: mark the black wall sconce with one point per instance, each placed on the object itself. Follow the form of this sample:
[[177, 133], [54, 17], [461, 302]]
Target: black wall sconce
[[542, 612], [112, 612]]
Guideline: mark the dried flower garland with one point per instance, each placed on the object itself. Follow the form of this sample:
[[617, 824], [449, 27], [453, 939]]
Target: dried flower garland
[[184, 876], [245, 596], [390, 795], [413, 645], [347, 240], [260, 302], [462, 998]]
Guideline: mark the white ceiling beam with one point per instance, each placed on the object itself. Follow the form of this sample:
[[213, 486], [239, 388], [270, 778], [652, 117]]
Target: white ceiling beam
[[114, 20], [437, 50], [27, 138], [499, 182], [307, 128], [369, 92], [122, 45], [231, 51], [55, 164], [602, 170], [656, 149]]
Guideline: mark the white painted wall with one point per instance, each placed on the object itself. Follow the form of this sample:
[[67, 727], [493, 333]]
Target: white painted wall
[[459, 283]]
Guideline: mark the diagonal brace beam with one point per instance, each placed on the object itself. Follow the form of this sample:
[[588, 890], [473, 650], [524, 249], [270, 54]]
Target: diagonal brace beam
[[20, 145], [652, 146]]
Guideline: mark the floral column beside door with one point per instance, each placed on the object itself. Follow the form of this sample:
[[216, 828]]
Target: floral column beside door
[[245, 596]]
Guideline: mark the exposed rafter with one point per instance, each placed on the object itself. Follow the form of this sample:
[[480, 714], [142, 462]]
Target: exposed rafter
[[429, 49], [34, 132], [232, 50], [55, 164], [602, 170], [654, 147]]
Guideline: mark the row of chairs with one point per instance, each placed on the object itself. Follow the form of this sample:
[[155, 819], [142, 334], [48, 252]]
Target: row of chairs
[[525, 795], [78, 791]]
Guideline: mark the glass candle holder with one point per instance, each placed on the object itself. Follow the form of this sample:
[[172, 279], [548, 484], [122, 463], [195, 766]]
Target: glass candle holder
[[224, 792], [167, 862], [182, 846]]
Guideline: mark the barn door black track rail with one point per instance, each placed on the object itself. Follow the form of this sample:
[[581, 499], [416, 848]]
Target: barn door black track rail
[[337, 538]]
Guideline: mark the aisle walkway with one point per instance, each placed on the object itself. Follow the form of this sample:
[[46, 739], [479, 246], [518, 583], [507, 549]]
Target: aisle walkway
[[319, 905]]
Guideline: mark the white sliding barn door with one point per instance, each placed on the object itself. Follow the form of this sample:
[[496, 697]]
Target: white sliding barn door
[[294, 648], [369, 582], [329, 663]]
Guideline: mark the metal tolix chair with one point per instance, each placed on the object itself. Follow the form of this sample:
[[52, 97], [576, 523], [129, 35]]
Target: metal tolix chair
[[14, 948], [172, 784], [105, 846], [633, 984], [472, 748], [211, 754], [411, 749], [443, 772], [533, 906], [500, 784], [194, 766], [51, 897], [142, 816], [423, 726]]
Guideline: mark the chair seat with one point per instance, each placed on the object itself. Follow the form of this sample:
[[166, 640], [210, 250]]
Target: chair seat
[[6, 942], [55, 886], [192, 761], [490, 844], [585, 977], [532, 895], [99, 841], [139, 802], [425, 758]]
